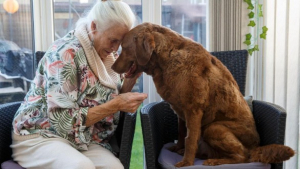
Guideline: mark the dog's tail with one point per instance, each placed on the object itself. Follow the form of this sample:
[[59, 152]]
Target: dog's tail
[[274, 153]]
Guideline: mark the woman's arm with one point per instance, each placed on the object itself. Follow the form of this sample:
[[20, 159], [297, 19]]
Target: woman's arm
[[66, 116], [127, 102]]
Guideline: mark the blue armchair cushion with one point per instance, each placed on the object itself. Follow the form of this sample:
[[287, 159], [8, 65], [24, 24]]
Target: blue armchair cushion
[[10, 164], [168, 159]]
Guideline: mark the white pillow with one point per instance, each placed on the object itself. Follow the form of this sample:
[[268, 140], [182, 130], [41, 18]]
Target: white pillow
[[249, 101]]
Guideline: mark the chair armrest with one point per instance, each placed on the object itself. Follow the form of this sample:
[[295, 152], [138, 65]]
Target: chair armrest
[[270, 122], [7, 113], [159, 126], [128, 128]]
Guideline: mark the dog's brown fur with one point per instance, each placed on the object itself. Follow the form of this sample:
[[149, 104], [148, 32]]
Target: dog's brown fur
[[204, 95]]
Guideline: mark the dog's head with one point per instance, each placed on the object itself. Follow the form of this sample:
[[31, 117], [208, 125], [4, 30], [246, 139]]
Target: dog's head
[[137, 48]]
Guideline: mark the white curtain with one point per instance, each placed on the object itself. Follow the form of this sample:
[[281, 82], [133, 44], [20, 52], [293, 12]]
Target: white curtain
[[227, 25], [281, 60]]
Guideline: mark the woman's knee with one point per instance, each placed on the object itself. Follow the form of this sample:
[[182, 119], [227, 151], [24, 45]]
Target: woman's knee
[[117, 165], [84, 163], [110, 163]]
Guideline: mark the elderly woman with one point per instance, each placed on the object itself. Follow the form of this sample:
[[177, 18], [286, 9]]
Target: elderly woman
[[72, 108]]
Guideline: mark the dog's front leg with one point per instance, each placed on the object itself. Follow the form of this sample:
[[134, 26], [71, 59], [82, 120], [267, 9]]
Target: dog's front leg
[[193, 125], [179, 147]]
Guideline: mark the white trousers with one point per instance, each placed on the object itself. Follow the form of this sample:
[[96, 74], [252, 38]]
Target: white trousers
[[57, 153]]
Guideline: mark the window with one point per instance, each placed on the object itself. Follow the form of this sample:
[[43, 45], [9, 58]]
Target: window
[[16, 51], [66, 14], [186, 17]]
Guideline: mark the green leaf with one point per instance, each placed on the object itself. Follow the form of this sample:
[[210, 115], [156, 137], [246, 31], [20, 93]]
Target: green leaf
[[251, 14], [250, 51], [263, 35], [248, 39], [252, 23], [248, 36], [265, 29], [260, 13], [251, 7], [247, 42], [256, 48]]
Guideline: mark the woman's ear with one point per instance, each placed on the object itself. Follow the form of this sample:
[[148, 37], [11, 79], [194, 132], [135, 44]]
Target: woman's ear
[[93, 26]]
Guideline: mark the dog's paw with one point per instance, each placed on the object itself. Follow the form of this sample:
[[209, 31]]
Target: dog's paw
[[175, 148], [212, 162], [183, 164], [180, 152]]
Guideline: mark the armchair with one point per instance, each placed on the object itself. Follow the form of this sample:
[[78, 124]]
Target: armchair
[[123, 142], [159, 123]]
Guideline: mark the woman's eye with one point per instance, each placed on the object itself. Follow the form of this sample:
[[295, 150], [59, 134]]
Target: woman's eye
[[115, 41]]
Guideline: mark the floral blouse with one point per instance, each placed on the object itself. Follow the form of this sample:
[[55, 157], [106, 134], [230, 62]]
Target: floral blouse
[[63, 90]]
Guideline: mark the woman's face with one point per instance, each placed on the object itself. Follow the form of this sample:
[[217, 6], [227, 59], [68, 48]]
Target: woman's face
[[109, 40]]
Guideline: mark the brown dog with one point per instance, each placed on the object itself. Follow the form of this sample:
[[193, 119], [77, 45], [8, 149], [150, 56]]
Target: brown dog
[[202, 92]]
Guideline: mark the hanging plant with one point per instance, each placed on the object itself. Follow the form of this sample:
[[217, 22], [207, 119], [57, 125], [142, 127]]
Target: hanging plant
[[255, 9]]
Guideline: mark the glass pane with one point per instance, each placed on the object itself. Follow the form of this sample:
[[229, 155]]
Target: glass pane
[[186, 17], [136, 6], [67, 12], [16, 46]]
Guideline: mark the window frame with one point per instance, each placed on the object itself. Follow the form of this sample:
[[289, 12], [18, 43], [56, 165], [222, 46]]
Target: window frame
[[43, 24]]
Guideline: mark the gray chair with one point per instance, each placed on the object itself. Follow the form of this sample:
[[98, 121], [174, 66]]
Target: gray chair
[[159, 123]]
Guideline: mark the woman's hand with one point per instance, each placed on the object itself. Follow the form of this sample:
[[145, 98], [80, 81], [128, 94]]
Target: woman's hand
[[129, 102], [126, 101]]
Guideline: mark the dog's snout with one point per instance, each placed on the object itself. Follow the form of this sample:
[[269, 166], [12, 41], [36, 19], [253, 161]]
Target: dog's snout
[[114, 67]]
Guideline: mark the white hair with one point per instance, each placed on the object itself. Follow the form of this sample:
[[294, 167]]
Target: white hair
[[106, 13]]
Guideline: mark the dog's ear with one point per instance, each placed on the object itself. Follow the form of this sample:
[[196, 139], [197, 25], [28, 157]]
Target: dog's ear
[[144, 48]]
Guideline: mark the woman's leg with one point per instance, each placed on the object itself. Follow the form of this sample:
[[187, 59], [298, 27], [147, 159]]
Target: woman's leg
[[49, 153], [102, 158]]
